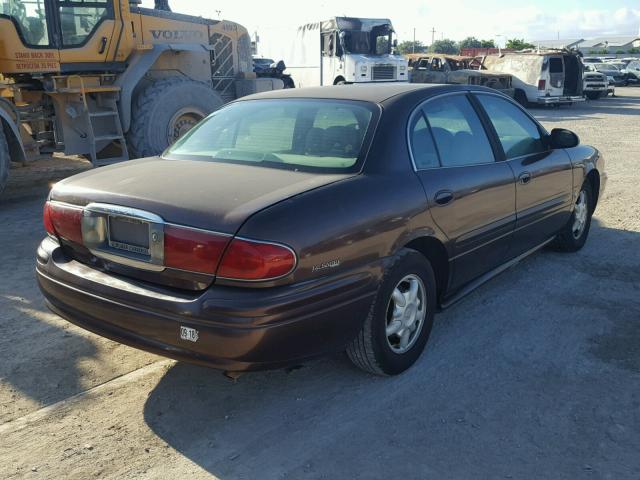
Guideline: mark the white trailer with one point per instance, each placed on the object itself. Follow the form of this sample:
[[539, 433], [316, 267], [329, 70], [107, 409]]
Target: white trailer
[[338, 51]]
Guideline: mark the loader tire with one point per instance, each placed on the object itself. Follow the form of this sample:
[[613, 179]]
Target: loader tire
[[166, 110], [5, 160]]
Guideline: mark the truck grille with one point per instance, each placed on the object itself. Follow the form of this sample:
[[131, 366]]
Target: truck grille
[[383, 72], [594, 78]]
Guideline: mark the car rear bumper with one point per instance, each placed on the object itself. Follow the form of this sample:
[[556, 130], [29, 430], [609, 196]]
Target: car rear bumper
[[238, 329], [561, 99]]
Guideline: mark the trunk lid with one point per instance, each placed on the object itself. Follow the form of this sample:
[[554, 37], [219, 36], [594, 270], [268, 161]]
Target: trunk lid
[[207, 195], [217, 197]]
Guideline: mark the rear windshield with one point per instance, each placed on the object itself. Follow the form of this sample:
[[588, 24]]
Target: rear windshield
[[295, 134]]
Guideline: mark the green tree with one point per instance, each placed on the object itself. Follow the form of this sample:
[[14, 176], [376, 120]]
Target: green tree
[[408, 47], [518, 44], [444, 46], [487, 44], [470, 42]]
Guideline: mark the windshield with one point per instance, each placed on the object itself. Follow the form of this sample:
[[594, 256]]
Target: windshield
[[310, 135], [29, 17], [376, 42]]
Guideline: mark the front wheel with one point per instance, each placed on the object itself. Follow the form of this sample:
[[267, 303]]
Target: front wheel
[[574, 234], [399, 323], [165, 111], [5, 160], [593, 95]]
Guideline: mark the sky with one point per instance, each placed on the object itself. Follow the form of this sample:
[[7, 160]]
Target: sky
[[456, 19]]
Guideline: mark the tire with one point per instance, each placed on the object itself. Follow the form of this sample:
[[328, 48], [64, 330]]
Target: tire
[[174, 104], [593, 95], [521, 98], [568, 239], [371, 350], [5, 160]]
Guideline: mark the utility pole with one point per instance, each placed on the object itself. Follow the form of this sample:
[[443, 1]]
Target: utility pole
[[433, 35], [413, 49]]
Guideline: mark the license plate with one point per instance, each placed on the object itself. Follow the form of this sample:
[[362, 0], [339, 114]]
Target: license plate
[[188, 334], [129, 234]]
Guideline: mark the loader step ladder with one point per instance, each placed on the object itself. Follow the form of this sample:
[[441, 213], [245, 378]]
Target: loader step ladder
[[102, 120]]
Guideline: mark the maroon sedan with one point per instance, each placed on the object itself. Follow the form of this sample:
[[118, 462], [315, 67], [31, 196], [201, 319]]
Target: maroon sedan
[[295, 223]]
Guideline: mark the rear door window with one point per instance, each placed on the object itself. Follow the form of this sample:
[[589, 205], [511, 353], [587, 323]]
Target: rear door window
[[555, 65], [458, 132], [517, 133]]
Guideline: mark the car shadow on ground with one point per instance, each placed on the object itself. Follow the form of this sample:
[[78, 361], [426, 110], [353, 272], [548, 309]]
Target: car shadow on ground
[[509, 392], [622, 104]]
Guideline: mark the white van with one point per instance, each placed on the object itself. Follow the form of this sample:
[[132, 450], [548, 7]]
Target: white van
[[545, 78]]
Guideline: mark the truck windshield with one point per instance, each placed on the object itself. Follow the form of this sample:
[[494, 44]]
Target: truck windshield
[[293, 134], [374, 42], [29, 18]]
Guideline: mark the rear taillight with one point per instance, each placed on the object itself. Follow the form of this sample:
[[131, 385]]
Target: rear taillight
[[253, 260], [193, 250], [542, 84], [64, 221]]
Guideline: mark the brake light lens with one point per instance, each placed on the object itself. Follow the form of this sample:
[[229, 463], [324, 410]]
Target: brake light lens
[[253, 260], [542, 84], [193, 250], [64, 221]]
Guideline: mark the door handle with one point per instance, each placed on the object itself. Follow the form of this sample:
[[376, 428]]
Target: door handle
[[524, 178], [103, 45], [444, 197]]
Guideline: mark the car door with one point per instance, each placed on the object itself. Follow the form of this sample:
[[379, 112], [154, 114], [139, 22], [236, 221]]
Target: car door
[[543, 176], [470, 195]]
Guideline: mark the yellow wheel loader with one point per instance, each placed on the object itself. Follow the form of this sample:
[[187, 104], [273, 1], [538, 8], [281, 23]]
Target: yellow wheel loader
[[111, 80]]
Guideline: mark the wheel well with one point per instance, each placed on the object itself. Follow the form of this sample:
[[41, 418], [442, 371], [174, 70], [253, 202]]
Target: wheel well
[[435, 252], [593, 177], [339, 79]]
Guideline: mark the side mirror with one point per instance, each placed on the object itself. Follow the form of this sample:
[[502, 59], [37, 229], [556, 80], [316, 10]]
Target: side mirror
[[563, 138], [395, 43]]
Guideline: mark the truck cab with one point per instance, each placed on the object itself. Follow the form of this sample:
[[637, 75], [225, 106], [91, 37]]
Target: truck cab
[[360, 50]]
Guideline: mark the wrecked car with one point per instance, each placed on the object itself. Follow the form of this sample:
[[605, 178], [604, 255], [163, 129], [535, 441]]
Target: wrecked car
[[455, 69], [548, 77]]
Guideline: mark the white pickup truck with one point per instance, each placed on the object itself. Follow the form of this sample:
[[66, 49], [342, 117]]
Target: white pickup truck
[[596, 84]]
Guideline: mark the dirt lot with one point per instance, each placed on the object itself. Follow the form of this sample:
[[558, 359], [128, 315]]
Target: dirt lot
[[535, 375]]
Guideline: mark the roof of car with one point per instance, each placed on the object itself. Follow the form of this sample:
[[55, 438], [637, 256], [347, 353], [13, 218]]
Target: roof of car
[[370, 92]]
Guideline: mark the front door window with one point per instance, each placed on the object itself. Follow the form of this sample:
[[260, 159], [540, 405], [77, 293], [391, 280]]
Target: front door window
[[79, 18]]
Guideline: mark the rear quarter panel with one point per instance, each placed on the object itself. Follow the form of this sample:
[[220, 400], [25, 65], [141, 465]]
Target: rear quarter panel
[[354, 224]]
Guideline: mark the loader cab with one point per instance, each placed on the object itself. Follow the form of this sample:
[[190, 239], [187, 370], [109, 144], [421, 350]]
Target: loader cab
[[83, 32]]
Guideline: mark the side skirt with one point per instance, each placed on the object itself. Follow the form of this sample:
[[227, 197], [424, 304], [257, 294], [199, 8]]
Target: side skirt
[[482, 279]]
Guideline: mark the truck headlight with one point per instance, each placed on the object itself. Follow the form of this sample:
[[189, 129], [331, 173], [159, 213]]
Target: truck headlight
[[403, 68], [363, 68]]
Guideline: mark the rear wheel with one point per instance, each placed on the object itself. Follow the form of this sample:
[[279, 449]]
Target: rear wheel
[[399, 323], [5, 160], [521, 98], [574, 234], [166, 110]]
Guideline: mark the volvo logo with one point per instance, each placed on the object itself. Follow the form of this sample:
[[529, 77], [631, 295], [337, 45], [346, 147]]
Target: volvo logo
[[184, 35]]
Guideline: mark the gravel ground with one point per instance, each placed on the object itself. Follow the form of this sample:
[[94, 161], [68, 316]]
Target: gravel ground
[[534, 375]]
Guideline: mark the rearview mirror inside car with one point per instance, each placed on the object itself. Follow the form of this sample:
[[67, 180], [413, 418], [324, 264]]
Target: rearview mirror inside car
[[563, 138]]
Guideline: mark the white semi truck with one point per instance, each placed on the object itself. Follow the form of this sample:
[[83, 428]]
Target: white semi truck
[[338, 51]]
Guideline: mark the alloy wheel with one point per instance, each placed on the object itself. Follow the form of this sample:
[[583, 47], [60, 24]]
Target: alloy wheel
[[406, 312]]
